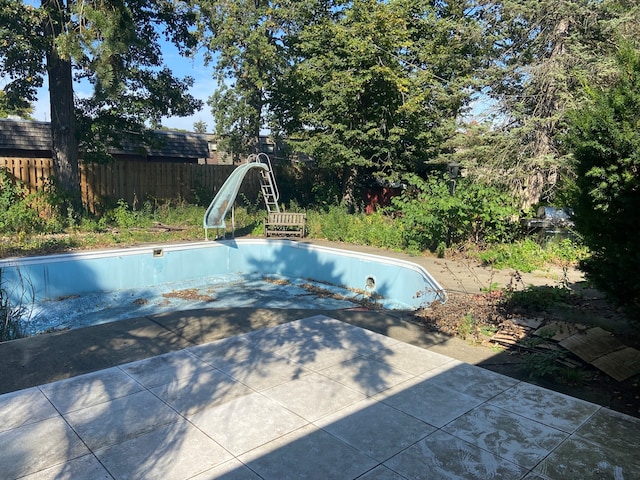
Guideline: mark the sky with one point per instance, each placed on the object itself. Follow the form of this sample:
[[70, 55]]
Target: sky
[[203, 88]]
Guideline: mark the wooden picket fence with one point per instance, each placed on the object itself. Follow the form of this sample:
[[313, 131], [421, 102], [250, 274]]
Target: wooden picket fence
[[133, 181]]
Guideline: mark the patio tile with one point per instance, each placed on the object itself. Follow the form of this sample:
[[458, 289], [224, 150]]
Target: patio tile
[[86, 467], [381, 473], [90, 389], [246, 422], [619, 431], [375, 429], [317, 357], [335, 333], [261, 373], [313, 396], [470, 380], [24, 407], [510, 436], [410, 358], [545, 406], [443, 456], [120, 419], [307, 453], [189, 395], [230, 351], [174, 451], [166, 368], [37, 446], [430, 403], [231, 470], [535, 476], [578, 458], [366, 375], [294, 339]]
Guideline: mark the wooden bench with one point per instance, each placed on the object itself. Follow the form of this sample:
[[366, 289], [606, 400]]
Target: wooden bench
[[285, 224]]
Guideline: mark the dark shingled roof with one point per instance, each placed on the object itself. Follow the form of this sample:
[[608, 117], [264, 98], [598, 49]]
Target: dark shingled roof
[[36, 136], [24, 135]]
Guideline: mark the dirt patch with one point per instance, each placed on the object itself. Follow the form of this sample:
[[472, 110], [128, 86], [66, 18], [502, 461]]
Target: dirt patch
[[514, 327]]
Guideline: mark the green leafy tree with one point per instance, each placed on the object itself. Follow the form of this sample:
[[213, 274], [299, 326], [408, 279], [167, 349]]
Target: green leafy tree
[[200, 127], [248, 43], [115, 46], [376, 89], [6, 109], [605, 140]]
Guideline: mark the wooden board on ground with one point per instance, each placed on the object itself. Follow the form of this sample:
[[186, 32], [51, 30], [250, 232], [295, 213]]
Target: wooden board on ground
[[558, 331], [592, 344], [621, 364]]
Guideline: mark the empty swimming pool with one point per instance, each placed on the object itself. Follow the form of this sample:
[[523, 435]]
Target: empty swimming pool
[[87, 288]]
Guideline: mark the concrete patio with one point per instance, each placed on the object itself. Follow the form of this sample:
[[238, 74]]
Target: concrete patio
[[310, 399]]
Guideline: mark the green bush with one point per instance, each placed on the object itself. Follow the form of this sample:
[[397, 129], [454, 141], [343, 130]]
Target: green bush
[[605, 139], [431, 215], [336, 224], [17, 211]]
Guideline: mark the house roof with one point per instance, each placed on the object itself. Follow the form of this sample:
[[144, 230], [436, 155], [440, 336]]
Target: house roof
[[24, 135], [36, 136]]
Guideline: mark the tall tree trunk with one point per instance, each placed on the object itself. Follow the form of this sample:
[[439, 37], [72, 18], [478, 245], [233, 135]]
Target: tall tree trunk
[[64, 143]]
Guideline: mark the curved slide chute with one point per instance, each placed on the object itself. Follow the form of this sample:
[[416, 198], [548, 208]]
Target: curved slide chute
[[226, 196]]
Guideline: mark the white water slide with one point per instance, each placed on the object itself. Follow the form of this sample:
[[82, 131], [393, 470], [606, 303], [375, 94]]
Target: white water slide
[[226, 196]]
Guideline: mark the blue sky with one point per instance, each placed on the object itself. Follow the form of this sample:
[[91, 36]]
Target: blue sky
[[203, 87]]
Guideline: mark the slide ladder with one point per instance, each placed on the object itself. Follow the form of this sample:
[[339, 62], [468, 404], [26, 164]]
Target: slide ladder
[[226, 196], [268, 184]]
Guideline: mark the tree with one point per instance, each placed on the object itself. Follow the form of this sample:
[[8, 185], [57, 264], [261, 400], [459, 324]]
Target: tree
[[248, 46], [605, 140], [376, 89], [544, 50], [200, 127], [114, 46], [6, 110]]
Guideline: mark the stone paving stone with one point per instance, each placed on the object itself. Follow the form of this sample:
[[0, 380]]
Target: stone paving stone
[[246, 422], [366, 375], [313, 396], [231, 470], [24, 407], [37, 446], [535, 476], [381, 473], [86, 467], [262, 373], [411, 359], [165, 368], [469, 379], [432, 404], [205, 389], [232, 351], [549, 408], [113, 422], [375, 429], [616, 430], [174, 451], [443, 456], [510, 436], [308, 453], [90, 389], [317, 358], [579, 458]]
